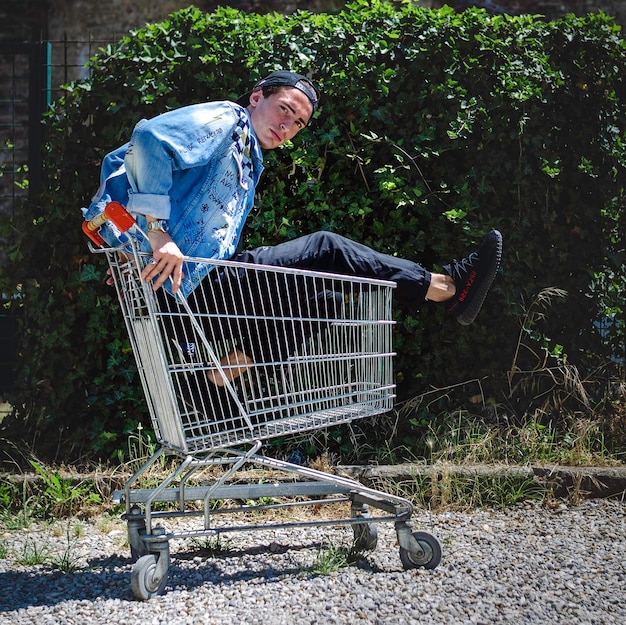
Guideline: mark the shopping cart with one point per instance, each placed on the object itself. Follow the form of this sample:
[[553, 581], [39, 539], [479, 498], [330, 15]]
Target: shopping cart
[[257, 353]]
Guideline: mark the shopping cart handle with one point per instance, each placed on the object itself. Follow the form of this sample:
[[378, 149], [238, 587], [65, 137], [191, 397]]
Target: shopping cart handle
[[119, 216], [90, 228], [113, 212]]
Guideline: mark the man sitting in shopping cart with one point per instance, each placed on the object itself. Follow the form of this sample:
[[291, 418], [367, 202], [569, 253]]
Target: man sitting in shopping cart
[[189, 177]]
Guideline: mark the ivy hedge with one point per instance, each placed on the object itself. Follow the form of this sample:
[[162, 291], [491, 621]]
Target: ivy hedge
[[434, 127]]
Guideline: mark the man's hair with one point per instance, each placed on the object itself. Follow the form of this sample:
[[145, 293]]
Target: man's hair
[[272, 89]]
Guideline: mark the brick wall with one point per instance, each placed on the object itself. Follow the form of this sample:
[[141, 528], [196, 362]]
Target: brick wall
[[83, 16], [78, 28], [34, 19]]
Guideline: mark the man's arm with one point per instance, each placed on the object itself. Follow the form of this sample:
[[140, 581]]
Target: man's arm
[[177, 140], [168, 261]]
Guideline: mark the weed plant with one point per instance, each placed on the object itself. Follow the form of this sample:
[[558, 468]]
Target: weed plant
[[332, 558], [17, 508], [68, 561], [211, 546], [467, 439], [61, 496], [33, 554], [548, 415]]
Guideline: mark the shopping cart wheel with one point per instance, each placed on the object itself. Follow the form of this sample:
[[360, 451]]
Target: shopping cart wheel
[[365, 536], [428, 556], [137, 552], [146, 580], [136, 531]]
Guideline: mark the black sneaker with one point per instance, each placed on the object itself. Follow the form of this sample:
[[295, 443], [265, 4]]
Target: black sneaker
[[473, 276]]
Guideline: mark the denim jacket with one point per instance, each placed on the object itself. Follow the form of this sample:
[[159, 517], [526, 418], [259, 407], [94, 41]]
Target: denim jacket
[[196, 167]]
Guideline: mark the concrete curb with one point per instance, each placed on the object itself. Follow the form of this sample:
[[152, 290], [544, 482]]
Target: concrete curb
[[561, 481]]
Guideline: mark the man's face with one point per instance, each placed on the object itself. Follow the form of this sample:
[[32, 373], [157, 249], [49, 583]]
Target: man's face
[[280, 116]]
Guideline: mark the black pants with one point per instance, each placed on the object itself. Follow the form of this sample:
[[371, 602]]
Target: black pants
[[326, 251], [230, 295]]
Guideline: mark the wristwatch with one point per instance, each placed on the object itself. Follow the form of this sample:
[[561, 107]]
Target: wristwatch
[[159, 225]]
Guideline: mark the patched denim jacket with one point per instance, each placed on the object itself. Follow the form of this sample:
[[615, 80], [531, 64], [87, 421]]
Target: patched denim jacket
[[197, 167]]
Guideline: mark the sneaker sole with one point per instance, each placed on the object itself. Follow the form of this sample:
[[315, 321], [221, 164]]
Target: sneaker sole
[[472, 310]]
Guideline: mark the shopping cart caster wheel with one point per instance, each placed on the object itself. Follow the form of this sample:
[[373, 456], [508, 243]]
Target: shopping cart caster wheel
[[145, 578], [428, 556], [137, 552], [136, 532], [365, 536]]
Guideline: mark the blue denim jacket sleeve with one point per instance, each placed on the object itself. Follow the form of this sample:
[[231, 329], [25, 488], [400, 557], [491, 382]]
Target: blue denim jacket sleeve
[[198, 167], [112, 163], [173, 141]]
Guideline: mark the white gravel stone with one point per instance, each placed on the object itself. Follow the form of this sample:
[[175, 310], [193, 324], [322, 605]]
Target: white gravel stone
[[524, 565]]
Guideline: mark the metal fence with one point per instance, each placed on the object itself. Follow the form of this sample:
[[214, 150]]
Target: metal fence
[[31, 77]]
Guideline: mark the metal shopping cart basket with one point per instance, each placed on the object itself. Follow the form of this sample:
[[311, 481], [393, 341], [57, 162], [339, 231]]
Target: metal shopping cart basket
[[254, 354]]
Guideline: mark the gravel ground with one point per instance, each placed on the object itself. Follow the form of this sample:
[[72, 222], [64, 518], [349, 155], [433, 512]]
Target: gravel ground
[[527, 564]]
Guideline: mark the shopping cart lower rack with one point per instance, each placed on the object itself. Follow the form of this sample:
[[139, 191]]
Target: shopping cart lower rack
[[253, 354]]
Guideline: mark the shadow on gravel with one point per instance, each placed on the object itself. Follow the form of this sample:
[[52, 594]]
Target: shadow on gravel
[[109, 579], [48, 587]]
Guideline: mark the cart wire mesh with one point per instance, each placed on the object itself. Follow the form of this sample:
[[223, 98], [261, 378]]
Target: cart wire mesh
[[256, 352]]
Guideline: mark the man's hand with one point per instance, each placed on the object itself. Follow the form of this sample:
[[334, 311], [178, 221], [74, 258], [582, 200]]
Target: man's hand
[[168, 261]]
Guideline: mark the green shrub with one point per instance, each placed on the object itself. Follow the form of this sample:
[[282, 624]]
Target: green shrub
[[434, 127]]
